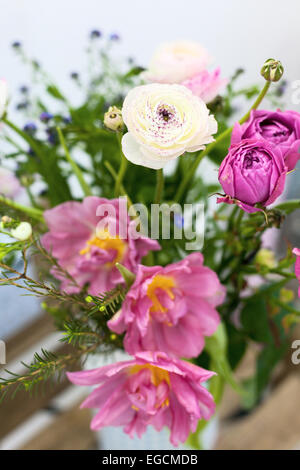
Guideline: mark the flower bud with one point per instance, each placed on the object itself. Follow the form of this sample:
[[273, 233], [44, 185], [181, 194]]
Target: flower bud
[[22, 232], [252, 175], [27, 180], [265, 258], [7, 223], [286, 295], [113, 118], [5, 219], [128, 276], [272, 70]]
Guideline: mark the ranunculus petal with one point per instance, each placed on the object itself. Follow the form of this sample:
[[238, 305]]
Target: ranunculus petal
[[252, 173], [280, 128], [164, 122]]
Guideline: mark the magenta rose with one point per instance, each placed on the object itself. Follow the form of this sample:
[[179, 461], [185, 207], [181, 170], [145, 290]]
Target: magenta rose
[[281, 128], [253, 173]]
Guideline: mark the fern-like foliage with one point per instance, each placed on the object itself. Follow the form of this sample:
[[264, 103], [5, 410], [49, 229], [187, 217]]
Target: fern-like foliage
[[79, 334], [82, 321], [108, 303], [45, 366]]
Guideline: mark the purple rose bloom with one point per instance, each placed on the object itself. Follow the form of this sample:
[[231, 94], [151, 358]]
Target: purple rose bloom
[[281, 128], [252, 173]]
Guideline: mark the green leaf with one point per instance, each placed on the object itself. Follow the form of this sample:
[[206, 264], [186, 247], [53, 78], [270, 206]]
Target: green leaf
[[289, 206], [254, 319], [54, 91], [236, 346], [216, 346], [134, 71], [266, 361]]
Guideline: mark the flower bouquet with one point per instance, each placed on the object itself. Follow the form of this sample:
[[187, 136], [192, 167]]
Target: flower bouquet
[[141, 246]]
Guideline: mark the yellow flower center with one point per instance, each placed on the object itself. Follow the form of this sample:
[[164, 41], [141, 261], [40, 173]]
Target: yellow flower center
[[105, 241], [158, 375], [164, 283]]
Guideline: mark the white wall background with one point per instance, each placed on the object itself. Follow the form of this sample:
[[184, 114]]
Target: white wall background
[[237, 32]]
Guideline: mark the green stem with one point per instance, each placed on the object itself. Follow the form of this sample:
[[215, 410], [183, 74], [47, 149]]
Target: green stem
[[239, 219], [24, 136], [84, 186], [190, 174], [58, 188], [285, 274], [256, 103], [115, 176], [30, 196], [122, 170], [32, 212], [159, 186]]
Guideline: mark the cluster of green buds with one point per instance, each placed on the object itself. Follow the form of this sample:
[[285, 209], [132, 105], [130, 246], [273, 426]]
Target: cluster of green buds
[[21, 231], [272, 70], [266, 259], [26, 180], [113, 119]]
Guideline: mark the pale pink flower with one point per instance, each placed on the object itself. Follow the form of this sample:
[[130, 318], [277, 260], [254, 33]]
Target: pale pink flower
[[177, 61], [84, 245], [206, 85], [152, 389], [9, 184], [296, 252], [170, 309]]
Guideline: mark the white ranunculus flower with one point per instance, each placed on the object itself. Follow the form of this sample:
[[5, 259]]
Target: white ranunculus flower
[[163, 122], [177, 61], [3, 97]]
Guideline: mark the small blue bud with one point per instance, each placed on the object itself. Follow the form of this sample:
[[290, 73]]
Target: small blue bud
[[30, 128], [31, 152], [45, 116], [74, 75], [52, 136], [95, 34], [114, 37], [24, 89], [67, 119], [22, 105], [16, 44]]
